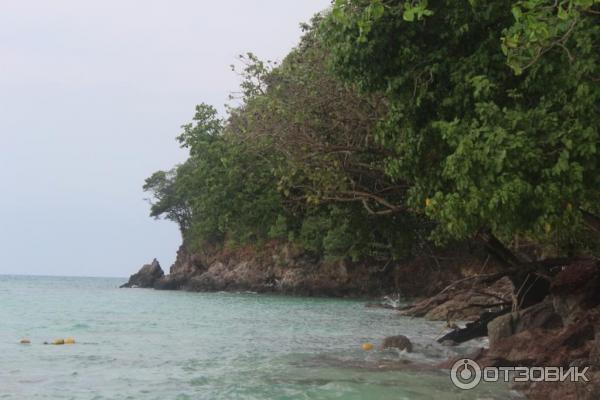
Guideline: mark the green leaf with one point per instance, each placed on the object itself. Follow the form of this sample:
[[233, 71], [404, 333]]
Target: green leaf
[[409, 15]]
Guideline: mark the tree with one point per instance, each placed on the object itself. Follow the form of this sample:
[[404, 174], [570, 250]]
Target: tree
[[224, 191], [169, 199], [493, 108], [332, 168]]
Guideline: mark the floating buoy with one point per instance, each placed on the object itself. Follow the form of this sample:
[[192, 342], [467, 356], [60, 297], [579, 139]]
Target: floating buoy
[[58, 341], [70, 340], [25, 341], [367, 346]]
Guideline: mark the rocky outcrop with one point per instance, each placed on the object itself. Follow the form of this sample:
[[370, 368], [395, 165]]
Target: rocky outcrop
[[562, 331], [463, 302], [279, 269], [539, 316], [282, 268], [146, 277], [576, 290], [557, 331]]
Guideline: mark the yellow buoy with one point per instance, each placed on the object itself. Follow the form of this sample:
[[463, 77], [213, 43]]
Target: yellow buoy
[[367, 346], [70, 340], [25, 341], [58, 341]]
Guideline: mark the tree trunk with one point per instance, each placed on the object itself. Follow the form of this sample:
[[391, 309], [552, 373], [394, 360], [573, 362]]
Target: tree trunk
[[591, 221], [473, 329], [531, 287]]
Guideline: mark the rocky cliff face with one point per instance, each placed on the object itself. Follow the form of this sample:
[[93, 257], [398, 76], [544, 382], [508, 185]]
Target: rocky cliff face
[[280, 268], [276, 269]]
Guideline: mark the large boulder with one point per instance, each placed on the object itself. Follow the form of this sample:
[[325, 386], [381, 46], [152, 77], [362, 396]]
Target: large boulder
[[146, 277], [539, 316], [500, 328]]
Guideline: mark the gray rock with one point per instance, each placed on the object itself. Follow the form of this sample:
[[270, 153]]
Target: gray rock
[[146, 277], [170, 282], [541, 315], [399, 342], [500, 328], [538, 316]]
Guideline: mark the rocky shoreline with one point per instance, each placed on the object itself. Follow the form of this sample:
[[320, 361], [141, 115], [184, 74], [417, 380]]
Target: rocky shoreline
[[563, 330], [281, 268]]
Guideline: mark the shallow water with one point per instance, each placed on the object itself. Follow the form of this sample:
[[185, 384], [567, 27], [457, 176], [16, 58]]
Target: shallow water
[[145, 344]]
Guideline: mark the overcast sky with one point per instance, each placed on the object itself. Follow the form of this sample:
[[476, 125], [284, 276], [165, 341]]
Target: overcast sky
[[92, 95]]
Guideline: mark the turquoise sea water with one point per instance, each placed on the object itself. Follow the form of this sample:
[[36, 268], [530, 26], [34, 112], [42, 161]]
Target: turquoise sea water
[[145, 344]]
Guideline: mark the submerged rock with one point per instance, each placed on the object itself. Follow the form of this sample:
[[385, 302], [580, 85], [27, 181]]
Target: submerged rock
[[399, 342], [146, 277]]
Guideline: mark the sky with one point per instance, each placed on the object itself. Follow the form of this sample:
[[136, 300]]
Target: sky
[[92, 96]]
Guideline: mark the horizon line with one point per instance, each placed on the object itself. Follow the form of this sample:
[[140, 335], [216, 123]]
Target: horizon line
[[63, 276]]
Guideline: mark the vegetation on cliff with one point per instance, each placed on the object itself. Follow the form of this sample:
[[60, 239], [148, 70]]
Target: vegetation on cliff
[[394, 124]]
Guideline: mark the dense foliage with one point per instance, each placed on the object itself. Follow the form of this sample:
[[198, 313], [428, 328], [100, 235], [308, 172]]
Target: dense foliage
[[394, 122], [493, 107]]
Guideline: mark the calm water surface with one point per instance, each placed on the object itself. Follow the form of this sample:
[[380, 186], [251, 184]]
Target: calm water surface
[[144, 344]]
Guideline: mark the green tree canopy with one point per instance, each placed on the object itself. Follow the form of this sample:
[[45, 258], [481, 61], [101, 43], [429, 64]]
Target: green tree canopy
[[494, 107], [396, 121]]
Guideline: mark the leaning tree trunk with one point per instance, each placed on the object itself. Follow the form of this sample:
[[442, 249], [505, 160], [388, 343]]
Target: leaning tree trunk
[[530, 286]]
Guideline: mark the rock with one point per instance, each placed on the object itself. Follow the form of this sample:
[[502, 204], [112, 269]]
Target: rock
[[170, 282], [146, 276], [562, 331], [576, 289], [543, 347], [541, 315], [562, 390], [463, 303], [399, 342], [500, 328], [421, 308], [277, 267]]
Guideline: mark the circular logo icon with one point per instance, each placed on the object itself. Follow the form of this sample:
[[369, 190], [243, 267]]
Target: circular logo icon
[[465, 374]]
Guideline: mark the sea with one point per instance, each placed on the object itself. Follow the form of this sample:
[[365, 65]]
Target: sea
[[147, 344]]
